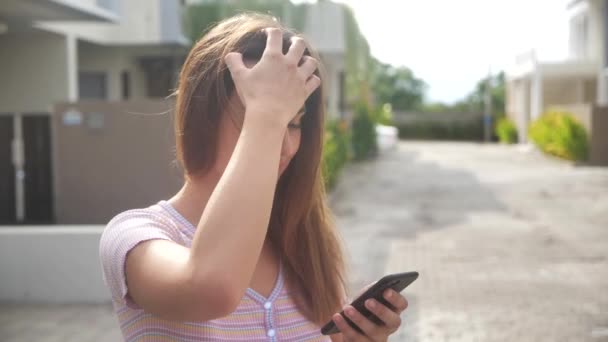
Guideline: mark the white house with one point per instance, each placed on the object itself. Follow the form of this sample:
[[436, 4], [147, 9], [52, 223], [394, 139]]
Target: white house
[[535, 85], [54, 51]]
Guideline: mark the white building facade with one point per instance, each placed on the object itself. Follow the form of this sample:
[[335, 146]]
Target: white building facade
[[534, 85]]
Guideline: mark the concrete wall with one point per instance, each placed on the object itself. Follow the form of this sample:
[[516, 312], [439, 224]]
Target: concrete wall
[[33, 71], [110, 157], [564, 91], [56, 264]]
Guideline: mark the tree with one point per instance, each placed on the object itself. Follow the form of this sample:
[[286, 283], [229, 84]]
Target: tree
[[199, 17], [397, 86], [476, 99], [474, 102]]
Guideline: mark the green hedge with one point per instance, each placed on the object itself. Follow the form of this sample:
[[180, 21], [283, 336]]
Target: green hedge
[[336, 151], [364, 139], [560, 134], [506, 131], [343, 144], [429, 130]]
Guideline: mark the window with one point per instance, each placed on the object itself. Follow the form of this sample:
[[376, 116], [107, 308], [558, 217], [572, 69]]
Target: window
[[159, 75], [92, 85], [125, 82]]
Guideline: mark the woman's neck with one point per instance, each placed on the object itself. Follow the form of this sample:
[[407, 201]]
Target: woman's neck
[[192, 198]]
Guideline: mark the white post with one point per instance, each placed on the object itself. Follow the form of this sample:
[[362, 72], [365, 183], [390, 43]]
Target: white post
[[18, 152], [602, 75], [71, 51], [524, 110], [536, 106], [602, 87]]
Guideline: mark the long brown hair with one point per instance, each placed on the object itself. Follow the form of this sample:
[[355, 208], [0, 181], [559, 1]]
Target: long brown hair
[[300, 227]]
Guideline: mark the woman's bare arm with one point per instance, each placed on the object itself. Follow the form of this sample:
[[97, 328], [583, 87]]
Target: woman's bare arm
[[209, 280]]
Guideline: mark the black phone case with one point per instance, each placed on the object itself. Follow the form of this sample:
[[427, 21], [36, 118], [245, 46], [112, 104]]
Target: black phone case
[[397, 282]]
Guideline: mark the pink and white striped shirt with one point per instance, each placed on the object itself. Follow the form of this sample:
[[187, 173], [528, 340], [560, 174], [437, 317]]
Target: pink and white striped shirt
[[257, 318]]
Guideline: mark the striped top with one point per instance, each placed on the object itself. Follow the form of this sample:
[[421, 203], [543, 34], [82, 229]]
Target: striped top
[[256, 318]]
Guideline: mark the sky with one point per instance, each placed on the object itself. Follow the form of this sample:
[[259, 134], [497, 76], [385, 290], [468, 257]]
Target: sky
[[452, 44]]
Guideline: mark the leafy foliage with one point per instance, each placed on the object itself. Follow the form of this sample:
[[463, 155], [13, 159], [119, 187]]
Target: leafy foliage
[[397, 86], [560, 134], [364, 132], [336, 151], [471, 130], [506, 131]]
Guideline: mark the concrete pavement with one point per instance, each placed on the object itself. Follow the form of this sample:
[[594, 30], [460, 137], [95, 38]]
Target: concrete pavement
[[510, 245]]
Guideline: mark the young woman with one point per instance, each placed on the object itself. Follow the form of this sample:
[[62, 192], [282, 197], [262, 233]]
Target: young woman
[[245, 250]]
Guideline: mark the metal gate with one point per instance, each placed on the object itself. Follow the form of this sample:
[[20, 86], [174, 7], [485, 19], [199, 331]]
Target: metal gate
[[26, 194]]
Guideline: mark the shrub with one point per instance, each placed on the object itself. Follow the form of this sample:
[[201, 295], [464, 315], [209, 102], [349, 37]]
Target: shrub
[[335, 151], [364, 133], [560, 134], [506, 131]]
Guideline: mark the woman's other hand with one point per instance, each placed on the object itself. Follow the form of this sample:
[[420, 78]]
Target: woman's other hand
[[372, 331]]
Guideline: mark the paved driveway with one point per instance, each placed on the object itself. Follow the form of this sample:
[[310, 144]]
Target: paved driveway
[[510, 246]]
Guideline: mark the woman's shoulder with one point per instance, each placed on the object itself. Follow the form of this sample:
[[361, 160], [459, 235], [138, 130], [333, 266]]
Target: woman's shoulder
[[152, 212], [143, 219]]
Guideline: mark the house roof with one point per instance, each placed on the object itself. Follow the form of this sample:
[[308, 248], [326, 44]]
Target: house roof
[[573, 3], [27, 11], [569, 68]]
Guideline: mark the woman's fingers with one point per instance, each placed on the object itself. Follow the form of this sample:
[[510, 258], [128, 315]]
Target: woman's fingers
[[312, 84], [391, 319], [371, 329], [347, 331], [296, 50], [234, 61], [396, 299], [275, 84], [274, 42], [308, 67]]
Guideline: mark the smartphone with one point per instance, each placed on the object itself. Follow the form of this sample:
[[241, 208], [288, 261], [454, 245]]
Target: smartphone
[[397, 282]]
